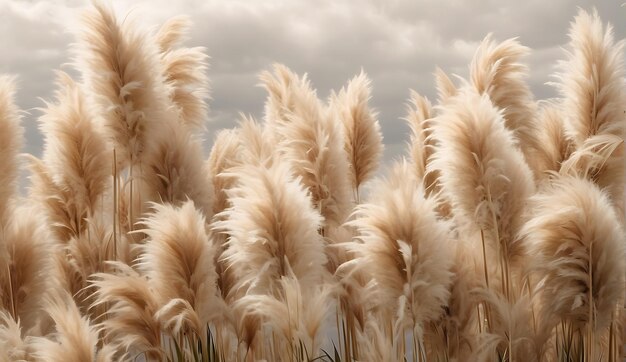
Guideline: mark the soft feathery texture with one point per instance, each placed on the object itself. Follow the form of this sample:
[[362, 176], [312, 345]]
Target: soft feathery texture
[[185, 72], [311, 140], [12, 346], [282, 99], [421, 145], [378, 345], [363, 140], [405, 250], [178, 260], [298, 312], [482, 172], [173, 170], [85, 255], [445, 87], [510, 330], [122, 68], [223, 156], [591, 82], [75, 155], [271, 226], [11, 134], [53, 200], [256, 143], [592, 86], [574, 232], [23, 281], [245, 145], [496, 70], [130, 322], [74, 339], [454, 334], [173, 31], [419, 112], [553, 147]]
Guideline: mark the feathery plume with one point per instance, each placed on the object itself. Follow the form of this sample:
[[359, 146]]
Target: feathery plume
[[254, 139], [404, 249], [579, 247], [53, 199], [420, 111], [185, 72], [445, 87], [281, 87], [11, 134], [75, 339], [12, 346], [75, 155], [510, 329], [24, 279], [363, 140], [311, 140], [271, 222], [174, 172], [86, 255], [553, 147], [378, 345], [178, 260], [496, 71], [130, 322], [122, 68], [592, 87], [482, 173], [172, 32], [223, 156], [297, 313]]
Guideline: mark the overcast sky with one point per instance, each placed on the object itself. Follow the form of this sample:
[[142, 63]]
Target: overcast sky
[[397, 42]]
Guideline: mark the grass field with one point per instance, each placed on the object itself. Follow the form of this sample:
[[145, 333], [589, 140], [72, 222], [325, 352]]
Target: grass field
[[499, 236]]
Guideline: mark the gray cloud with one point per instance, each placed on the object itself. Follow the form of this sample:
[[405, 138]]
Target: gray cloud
[[398, 43]]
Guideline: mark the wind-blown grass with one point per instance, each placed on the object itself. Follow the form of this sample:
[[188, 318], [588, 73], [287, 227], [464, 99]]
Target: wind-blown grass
[[501, 238]]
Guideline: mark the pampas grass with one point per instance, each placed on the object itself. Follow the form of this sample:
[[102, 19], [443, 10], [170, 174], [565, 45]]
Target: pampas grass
[[311, 140], [185, 72], [130, 323], [174, 172], [592, 87], [272, 228], [482, 172], [74, 339], [420, 111], [579, 247], [75, 158], [25, 282], [496, 71], [501, 239], [12, 346], [445, 86], [273, 245], [553, 146], [11, 134], [117, 62], [404, 249], [363, 140], [178, 260]]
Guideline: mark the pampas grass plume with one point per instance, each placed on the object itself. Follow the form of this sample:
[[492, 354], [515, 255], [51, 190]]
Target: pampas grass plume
[[178, 260], [405, 249], [11, 134], [574, 228], [363, 139]]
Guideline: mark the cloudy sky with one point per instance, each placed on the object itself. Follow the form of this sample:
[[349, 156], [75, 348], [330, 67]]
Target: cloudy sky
[[397, 42]]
